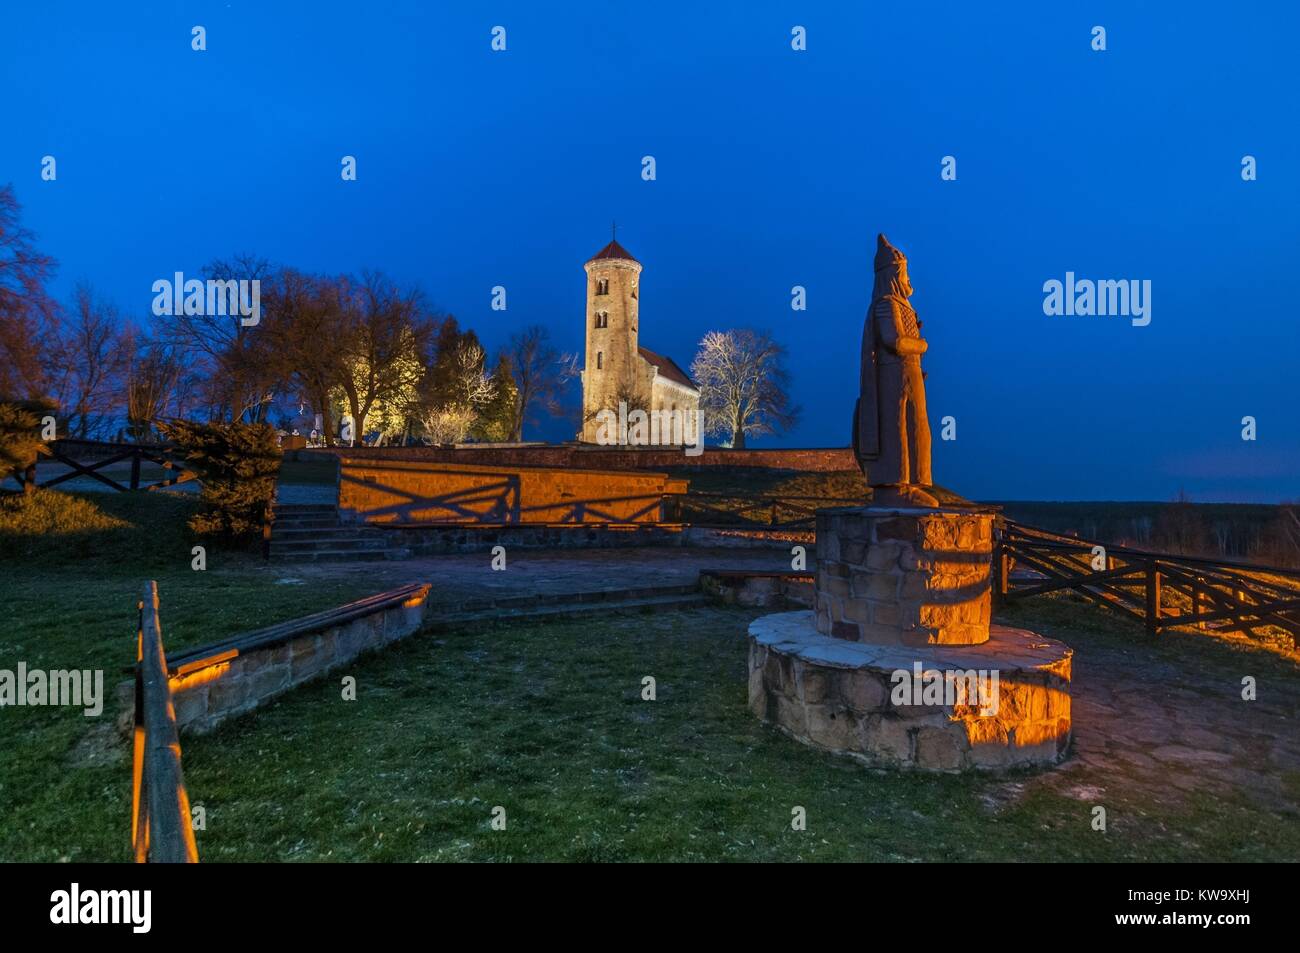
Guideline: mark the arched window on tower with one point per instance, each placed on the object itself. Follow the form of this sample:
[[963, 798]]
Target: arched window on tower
[[602, 286], [600, 360], [634, 291], [602, 319]]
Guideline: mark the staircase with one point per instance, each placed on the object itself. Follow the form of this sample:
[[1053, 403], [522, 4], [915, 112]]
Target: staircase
[[312, 532]]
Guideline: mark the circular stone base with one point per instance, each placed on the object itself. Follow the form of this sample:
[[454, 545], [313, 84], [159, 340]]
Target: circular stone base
[[1000, 704]]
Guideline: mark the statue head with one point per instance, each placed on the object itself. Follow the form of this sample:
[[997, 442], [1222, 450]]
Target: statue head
[[891, 270]]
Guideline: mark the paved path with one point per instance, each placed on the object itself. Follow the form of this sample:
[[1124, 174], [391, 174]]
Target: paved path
[[471, 576], [1178, 726], [1154, 723], [1164, 724]]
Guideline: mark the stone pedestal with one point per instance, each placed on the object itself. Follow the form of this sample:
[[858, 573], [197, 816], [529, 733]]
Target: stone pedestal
[[905, 575], [1001, 704], [898, 666]]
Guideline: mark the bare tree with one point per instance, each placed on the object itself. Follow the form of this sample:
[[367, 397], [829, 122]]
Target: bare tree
[[1288, 533], [85, 364], [622, 393], [27, 314], [450, 423], [742, 380], [1179, 526], [468, 388], [538, 374], [473, 384], [241, 371], [307, 324], [157, 383]]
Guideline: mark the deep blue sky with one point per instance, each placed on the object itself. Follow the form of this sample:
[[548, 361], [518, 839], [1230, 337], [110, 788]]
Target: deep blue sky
[[775, 168]]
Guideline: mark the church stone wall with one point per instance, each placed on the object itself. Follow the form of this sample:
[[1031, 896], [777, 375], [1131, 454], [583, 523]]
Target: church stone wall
[[617, 343]]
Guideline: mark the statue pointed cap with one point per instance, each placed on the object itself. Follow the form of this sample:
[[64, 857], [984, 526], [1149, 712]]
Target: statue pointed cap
[[887, 254]]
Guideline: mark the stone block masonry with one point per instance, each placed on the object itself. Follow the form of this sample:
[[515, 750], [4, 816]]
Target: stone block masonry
[[840, 696], [214, 682], [391, 491], [906, 575], [590, 456]]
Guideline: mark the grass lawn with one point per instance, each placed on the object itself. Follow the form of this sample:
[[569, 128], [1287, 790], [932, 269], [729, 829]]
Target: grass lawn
[[762, 481], [70, 602], [805, 491], [739, 484], [547, 721]]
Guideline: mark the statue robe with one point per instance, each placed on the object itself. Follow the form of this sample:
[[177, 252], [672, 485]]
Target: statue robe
[[891, 428]]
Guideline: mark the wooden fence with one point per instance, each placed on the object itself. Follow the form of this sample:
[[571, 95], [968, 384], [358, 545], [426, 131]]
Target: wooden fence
[[769, 512], [160, 807], [1158, 590], [108, 454]]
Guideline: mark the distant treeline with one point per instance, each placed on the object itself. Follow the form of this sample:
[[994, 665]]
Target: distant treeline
[[1254, 532]]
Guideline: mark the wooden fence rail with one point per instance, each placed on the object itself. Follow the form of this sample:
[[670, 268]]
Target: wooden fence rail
[[160, 807], [109, 454], [1159, 590], [728, 509]]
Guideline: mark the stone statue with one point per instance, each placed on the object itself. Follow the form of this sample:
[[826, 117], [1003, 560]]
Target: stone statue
[[891, 432]]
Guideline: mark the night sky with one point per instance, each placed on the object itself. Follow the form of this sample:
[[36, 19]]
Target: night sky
[[775, 168]]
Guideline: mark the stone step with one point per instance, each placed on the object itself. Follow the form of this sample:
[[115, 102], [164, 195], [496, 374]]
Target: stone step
[[342, 555], [281, 525], [334, 542], [299, 529], [594, 596], [299, 532], [562, 610]]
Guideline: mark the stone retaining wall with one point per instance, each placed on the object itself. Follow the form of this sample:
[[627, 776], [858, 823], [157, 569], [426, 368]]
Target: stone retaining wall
[[764, 590], [824, 459], [476, 538], [212, 683], [378, 490]]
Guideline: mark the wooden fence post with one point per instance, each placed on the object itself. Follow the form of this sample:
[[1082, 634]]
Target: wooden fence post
[[160, 805], [139, 793], [135, 470], [999, 572], [1153, 597]]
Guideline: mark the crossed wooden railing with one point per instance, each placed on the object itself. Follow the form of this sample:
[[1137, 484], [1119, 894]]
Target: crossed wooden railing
[[160, 806], [726, 509], [138, 454], [1158, 590]]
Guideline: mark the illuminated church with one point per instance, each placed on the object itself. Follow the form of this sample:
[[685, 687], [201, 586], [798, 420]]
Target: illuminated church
[[616, 368]]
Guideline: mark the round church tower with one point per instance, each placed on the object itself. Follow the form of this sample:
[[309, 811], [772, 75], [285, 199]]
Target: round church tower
[[611, 361]]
